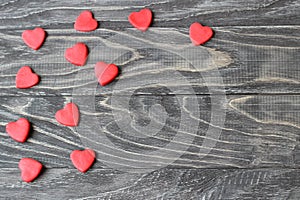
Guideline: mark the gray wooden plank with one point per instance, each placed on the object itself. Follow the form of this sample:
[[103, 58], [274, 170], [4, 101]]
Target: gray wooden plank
[[145, 132], [160, 184], [160, 61], [170, 13], [166, 109]]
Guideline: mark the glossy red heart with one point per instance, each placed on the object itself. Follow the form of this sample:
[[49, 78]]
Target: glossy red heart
[[200, 34], [69, 115], [26, 78], [77, 54], [34, 38], [83, 160], [142, 19], [18, 130], [30, 169], [85, 22], [106, 73]]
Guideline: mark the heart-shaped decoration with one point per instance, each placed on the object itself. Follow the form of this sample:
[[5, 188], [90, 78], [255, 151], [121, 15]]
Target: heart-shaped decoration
[[200, 34], [18, 130], [26, 78], [30, 169], [85, 22], [142, 19], [69, 115], [106, 73], [34, 38], [83, 160], [77, 54]]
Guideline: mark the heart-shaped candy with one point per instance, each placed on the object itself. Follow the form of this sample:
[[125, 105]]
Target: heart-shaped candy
[[26, 78], [106, 73], [34, 38], [18, 130], [77, 54], [30, 169], [69, 115], [142, 19], [85, 22], [83, 160], [200, 34]]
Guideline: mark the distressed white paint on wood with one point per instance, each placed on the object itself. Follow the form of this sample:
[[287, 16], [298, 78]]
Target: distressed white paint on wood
[[245, 141], [162, 184], [167, 13], [255, 50], [236, 60]]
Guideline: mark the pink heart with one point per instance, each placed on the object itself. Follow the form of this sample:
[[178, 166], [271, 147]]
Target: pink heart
[[34, 38], [105, 73], [30, 169], [200, 34], [85, 22], [83, 160], [26, 78], [18, 130], [69, 115], [142, 19], [77, 54]]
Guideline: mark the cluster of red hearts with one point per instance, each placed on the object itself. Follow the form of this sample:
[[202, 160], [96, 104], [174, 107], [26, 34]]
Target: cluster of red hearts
[[77, 55]]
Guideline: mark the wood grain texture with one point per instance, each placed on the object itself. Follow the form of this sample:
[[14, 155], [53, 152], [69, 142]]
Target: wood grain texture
[[168, 13], [162, 184], [255, 60], [218, 121], [181, 131]]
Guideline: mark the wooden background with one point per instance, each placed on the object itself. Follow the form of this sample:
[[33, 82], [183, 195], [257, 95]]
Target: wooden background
[[255, 53]]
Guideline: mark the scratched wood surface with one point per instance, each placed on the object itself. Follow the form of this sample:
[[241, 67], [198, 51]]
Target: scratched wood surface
[[237, 60], [220, 121], [162, 184]]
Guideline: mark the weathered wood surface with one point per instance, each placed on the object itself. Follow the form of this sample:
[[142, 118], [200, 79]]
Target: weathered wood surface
[[237, 60], [219, 121], [258, 131], [162, 184], [168, 13]]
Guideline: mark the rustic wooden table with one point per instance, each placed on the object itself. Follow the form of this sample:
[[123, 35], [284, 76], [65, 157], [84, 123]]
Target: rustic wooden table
[[219, 121]]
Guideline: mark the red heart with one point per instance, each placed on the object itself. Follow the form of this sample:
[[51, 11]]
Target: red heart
[[30, 169], [142, 19], [69, 115], [18, 130], [77, 54], [105, 73], [26, 78], [34, 38], [200, 34], [83, 160], [85, 22]]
